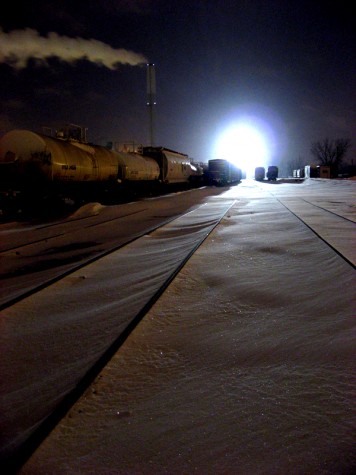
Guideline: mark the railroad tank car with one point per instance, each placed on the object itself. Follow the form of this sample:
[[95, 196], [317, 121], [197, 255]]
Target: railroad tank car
[[33, 165], [175, 167], [41, 158], [134, 167], [29, 158], [198, 174], [260, 173], [222, 172]]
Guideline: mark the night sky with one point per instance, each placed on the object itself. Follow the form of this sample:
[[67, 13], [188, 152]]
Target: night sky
[[286, 68]]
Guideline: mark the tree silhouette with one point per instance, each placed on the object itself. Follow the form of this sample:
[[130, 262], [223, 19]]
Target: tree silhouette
[[330, 152]]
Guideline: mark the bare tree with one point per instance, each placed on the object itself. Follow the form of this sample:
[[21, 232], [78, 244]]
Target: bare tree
[[330, 152]]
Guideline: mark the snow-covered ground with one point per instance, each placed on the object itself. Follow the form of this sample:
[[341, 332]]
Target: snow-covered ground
[[245, 364]]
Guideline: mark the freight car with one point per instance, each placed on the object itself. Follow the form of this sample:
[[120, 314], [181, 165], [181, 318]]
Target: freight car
[[260, 173], [34, 165], [272, 173], [174, 167], [222, 172]]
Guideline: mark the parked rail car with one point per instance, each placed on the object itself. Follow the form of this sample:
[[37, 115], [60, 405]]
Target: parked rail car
[[136, 168], [222, 172], [175, 167], [260, 173], [272, 173], [301, 173], [310, 171], [31, 159], [34, 165]]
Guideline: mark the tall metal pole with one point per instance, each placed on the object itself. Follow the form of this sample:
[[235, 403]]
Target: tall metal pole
[[151, 97]]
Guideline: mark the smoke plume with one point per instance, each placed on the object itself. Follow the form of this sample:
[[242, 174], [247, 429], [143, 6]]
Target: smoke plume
[[18, 46]]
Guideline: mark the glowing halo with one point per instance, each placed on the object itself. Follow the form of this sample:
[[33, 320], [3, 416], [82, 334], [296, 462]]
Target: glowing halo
[[243, 145]]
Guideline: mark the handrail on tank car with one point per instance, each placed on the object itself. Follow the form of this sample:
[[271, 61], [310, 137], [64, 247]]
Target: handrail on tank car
[[69, 132]]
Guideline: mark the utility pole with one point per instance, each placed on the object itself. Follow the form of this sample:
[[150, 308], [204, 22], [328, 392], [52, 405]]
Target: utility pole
[[151, 97]]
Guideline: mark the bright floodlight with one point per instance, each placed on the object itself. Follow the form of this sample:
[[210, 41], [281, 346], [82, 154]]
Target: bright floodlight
[[244, 146]]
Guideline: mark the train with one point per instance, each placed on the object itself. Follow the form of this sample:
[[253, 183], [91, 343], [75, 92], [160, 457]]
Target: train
[[221, 172], [260, 173], [272, 173], [62, 163], [34, 165]]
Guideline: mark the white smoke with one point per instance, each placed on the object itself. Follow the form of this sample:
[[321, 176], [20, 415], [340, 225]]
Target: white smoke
[[18, 46]]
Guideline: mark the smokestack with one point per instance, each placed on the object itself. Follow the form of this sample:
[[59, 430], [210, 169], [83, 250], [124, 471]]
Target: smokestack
[[151, 97]]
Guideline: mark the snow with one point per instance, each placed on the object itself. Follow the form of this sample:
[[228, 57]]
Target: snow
[[245, 364], [63, 330]]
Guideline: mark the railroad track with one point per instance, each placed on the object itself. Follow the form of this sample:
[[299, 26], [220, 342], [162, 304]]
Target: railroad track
[[56, 275], [34, 256], [25, 241], [98, 305], [334, 229], [330, 227], [352, 220]]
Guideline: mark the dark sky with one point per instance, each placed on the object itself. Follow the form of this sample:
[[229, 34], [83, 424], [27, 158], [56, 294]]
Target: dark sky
[[286, 67]]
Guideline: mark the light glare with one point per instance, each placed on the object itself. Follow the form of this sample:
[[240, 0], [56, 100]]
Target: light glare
[[244, 146]]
